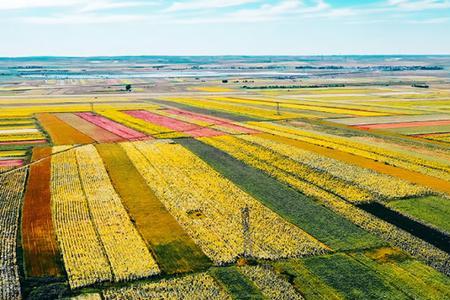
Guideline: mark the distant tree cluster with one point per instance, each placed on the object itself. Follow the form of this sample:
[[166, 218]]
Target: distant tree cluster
[[420, 85]]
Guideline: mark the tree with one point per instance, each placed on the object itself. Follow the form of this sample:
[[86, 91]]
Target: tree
[[128, 87]]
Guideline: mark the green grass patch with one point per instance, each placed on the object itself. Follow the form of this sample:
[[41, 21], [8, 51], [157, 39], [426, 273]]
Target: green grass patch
[[422, 129], [236, 284], [319, 221], [17, 147], [410, 276], [351, 278], [305, 282], [433, 210]]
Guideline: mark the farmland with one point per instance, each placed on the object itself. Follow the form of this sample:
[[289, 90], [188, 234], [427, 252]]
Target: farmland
[[196, 187]]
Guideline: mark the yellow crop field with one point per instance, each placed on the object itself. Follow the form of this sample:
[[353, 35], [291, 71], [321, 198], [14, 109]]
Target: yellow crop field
[[212, 89], [84, 258], [225, 177], [284, 104], [236, 108], [166, 168]]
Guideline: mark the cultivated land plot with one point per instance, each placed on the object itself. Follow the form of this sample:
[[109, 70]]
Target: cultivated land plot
[[175, 251], [60, 132], [329, 186], [431, 210], [98, 134], [362, 121], [329, 228], [41, 251]]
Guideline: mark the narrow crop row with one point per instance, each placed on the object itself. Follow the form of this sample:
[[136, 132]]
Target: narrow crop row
[[84, 201], [12, 186], [172, 247], [382, 186], [199, 286], [427, 167], [111, 126], [271, 285], [299, 106], [140, 125], [173, 124], [248, 282], [253, 112], [304, 211], [206, 120], [126, 251], [83, 254], [286, 169], [21, 137], [40, 249]]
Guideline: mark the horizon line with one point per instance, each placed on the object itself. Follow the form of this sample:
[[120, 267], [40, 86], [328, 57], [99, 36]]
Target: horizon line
[[217, 55]]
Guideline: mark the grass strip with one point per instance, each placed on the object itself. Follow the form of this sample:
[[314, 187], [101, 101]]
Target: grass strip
[[433, 210], [236, 284], [351, 278]]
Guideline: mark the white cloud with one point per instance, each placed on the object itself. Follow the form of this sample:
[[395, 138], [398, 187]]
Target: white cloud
[[431, 21], [281, 9], [206, 4], [221, 11], [25, 4], [104, 5], [418, 5], [80, 5], [83, 19], [78, 11]]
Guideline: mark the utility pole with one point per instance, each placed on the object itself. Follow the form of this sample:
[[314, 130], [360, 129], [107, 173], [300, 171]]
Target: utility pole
[[278, 108], [246, 231], [92, 105]]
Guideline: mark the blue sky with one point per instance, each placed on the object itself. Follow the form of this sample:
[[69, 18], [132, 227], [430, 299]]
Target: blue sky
[[223, 27]]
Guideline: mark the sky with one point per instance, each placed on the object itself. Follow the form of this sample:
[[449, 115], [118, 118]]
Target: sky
[[223, 27]]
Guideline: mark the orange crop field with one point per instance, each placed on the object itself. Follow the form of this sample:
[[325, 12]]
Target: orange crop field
[[93, 131], [42, 256], [412, 176], [60, 132]]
